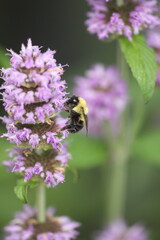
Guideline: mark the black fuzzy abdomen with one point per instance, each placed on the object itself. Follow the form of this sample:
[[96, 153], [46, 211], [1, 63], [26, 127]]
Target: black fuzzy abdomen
[[75, 127]]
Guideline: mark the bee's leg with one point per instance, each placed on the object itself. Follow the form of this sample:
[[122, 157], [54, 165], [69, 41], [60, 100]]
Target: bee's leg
[[75, 128], [79, 126], [70, 127], [66, 110]]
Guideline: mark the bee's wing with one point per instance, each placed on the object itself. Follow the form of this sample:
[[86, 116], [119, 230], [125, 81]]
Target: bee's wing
[[86, 120]]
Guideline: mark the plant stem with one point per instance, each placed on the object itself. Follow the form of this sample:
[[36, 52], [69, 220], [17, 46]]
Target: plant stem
[[119, 148], [119, 2], [117, 183], [41, 203]]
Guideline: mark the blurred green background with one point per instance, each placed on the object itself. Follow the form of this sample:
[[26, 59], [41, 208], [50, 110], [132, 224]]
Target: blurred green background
[[60, 25]]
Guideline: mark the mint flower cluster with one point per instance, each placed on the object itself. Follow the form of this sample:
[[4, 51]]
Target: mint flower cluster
[[106, 95], [108, 20], [34, 95], [47, 166], [26, 227], [119, 230]]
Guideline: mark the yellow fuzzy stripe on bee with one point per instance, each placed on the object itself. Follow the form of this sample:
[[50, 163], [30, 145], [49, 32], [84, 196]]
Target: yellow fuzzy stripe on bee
[[81, 108]]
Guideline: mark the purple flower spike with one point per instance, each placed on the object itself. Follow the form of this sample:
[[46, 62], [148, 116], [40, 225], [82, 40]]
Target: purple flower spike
[[119, 230], [106, 96], [153, 40], [34, 95], [48, 166], [108, 20], [48, 134], [25, 226]]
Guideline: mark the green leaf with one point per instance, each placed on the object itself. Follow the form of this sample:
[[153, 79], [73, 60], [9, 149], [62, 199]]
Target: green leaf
[[142, 62], [86, 152], [21, 191], [4, 59], [75, 173], [32, 183], [147, 147]]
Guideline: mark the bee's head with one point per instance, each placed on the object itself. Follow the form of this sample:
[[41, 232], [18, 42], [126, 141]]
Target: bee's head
[[72, 102]]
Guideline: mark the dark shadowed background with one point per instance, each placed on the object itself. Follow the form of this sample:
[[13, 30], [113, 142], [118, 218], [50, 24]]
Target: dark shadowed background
[[59, 25]]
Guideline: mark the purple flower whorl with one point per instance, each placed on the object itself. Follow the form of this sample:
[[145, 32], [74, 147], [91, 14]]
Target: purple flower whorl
[[25, 226], [108, 20], [48, 166], [119, 230]]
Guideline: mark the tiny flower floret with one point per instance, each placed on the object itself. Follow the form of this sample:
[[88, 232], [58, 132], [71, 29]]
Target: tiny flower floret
[[47, 166], [25, 226], [108, 20]]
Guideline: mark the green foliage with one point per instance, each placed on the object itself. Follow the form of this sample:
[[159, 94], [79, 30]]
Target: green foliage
[[4, 59], [147, 147], [4, 146], [21, 191], [86, 152], [142, 62]]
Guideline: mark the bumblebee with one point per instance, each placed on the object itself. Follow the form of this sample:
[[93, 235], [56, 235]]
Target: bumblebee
[[78, 110]]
